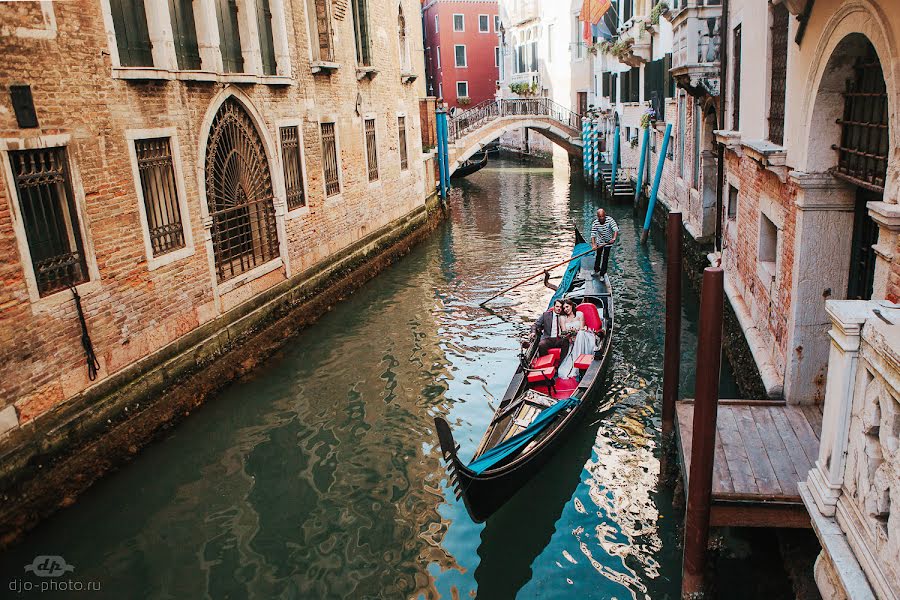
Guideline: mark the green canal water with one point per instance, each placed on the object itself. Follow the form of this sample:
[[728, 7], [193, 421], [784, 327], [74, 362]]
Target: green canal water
[[319, 476]]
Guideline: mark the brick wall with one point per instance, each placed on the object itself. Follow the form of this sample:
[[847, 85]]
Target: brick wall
[[133, 311]]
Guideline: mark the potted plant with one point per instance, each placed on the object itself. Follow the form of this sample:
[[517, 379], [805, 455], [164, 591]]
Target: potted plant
[[648, 118], [661, 8], [464, 100]]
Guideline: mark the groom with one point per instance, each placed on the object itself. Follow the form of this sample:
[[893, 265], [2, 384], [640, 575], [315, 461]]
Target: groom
[[548, 327]]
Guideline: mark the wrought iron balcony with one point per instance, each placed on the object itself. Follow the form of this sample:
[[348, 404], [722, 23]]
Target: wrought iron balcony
[[696, 48]]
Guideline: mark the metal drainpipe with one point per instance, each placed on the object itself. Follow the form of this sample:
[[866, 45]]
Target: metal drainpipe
[[723, 92]]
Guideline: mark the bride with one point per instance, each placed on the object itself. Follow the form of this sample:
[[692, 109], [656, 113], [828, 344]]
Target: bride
[[582, 339]]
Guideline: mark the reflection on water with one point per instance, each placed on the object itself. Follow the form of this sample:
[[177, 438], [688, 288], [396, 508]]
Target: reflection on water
[[319, 477]]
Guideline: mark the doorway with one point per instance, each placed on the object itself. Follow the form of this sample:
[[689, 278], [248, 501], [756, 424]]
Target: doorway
[[862, 256]]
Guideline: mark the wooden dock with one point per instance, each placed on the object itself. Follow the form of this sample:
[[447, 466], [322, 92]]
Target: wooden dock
[[763, 450]]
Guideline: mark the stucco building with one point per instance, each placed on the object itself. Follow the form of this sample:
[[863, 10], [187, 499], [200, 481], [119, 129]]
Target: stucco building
[[187, 168], [462, 54]]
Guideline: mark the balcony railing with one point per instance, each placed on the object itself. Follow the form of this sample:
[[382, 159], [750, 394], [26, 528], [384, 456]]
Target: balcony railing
[[484, 112]]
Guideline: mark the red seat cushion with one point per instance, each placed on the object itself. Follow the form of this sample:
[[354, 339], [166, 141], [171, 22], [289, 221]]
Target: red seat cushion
[[555, 352], [551, 359], [542, 375], [592, 318], [583, 361]]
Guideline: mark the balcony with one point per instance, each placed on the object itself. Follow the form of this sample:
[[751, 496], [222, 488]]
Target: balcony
[[695, 55], [640, 50]]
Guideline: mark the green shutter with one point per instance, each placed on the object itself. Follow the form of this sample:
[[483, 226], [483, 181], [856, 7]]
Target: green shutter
[[230, 37], [132, 38], [185, 33], [266, 40]]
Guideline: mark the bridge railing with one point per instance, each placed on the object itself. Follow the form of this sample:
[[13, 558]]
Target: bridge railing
[[487, 111]]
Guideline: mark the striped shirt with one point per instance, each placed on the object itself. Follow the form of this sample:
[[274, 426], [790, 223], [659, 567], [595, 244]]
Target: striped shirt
[[602, 233]]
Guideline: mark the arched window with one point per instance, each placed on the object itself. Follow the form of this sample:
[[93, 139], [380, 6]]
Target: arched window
[[404, 43], [239, 193]]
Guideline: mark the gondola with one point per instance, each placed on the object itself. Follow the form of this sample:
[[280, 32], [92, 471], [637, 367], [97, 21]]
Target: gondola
[[539, 409], [468, 167]]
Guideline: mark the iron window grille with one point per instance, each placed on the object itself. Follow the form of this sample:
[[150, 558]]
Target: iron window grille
[[371, 150], [132, 36], [157, 172], [361, 29], [862, 153], [229, 36], [330, 160], [293, 167], [49, 217], [184, 31], [266, 39], [401, 136], [778, 88], [239, 194]]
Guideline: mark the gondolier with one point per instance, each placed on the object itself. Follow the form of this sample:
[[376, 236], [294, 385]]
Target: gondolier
[[604, 232]]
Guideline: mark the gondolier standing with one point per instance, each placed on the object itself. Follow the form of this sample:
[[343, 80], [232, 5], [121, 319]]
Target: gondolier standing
[[604, 233]]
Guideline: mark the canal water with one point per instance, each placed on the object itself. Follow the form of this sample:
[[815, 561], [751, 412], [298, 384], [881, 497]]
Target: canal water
[[320, 475]]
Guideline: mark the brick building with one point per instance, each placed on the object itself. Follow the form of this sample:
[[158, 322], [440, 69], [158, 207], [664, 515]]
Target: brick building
[[461, 50], [183, 166]]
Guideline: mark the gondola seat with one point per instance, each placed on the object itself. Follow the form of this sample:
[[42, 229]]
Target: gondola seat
[[551, 359], [592, 318], [583, 361], [542, 375]]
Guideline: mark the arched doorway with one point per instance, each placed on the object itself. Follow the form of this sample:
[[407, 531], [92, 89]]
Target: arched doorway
[[239, 193]]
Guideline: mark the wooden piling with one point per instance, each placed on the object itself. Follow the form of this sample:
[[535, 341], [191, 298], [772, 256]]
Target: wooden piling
[[672, 357], [709, 354]]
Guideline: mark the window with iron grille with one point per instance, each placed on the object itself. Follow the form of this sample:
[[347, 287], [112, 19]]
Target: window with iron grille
[[863, 151], [330, 160], [47, 207], [229, 36], [160, 194], [132, 37], [318, 14], [401, 129], [184, 32], [293, 166], [266, 40], [361, 29], [736, 81], [239, 193], [371, 150], [779, 73]]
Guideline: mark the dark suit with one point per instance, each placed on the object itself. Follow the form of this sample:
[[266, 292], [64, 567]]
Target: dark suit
[[544, 326]]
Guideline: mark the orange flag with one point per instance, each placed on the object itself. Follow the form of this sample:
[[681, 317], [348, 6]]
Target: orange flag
[[598, 8]]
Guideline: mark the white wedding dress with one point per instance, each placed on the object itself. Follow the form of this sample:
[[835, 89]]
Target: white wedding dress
[[585, 342]]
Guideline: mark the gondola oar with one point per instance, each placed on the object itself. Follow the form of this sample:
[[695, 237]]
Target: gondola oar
[[538, 274]]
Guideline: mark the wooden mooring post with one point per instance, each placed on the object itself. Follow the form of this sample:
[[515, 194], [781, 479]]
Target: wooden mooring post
[[672, 357], [709, 359]]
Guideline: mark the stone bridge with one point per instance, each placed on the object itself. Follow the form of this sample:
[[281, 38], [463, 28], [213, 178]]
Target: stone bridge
[[472, 130]]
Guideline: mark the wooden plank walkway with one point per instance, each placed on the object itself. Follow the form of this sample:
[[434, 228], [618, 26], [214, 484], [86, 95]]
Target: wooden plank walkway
[[763, 450]]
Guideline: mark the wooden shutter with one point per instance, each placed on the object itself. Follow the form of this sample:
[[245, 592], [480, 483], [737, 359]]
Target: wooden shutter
[[230, 37], [132, 37], [266, 39], [185, 33]]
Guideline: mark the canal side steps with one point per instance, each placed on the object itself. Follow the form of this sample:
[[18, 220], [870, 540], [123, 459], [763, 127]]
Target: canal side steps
[[764, 448], [624, 189]]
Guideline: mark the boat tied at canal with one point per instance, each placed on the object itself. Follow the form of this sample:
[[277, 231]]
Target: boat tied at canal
[[540, 407]]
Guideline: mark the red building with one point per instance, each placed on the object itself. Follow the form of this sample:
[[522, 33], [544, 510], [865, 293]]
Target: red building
[[462, 50]]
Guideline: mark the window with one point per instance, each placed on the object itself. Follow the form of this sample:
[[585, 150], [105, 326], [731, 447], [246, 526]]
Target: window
[[438, 54], [184, 32], [670, 147], [779, 37], [292, 162], [266, 41], [736, 81], [229, 36], [576, 41], [768, 248], [460, 54], [682, 133], [596, 85], [550, 42], [404, 43], [440, 90], [160, 196], [459, 23], [401, 143], [613, 87], [697, 126], [239, 194], [47, 207], [496, 56], [732, 202], [462, 89], [605, 85], [361, 31], [330, 163], [435, 23], [132, 37], [484, 23], [371, 150], [496, 24], [318, 14]]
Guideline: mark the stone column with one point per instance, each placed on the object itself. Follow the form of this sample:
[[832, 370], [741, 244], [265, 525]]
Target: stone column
[[821, 262], [827, 476], [159, 26], [208, 41], [887, 216], [708, 174]]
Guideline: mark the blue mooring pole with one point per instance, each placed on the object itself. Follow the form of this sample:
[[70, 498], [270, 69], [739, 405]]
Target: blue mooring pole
[[615, 164], [442, 151], [656, 179], [645, 141], [585, 147]]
